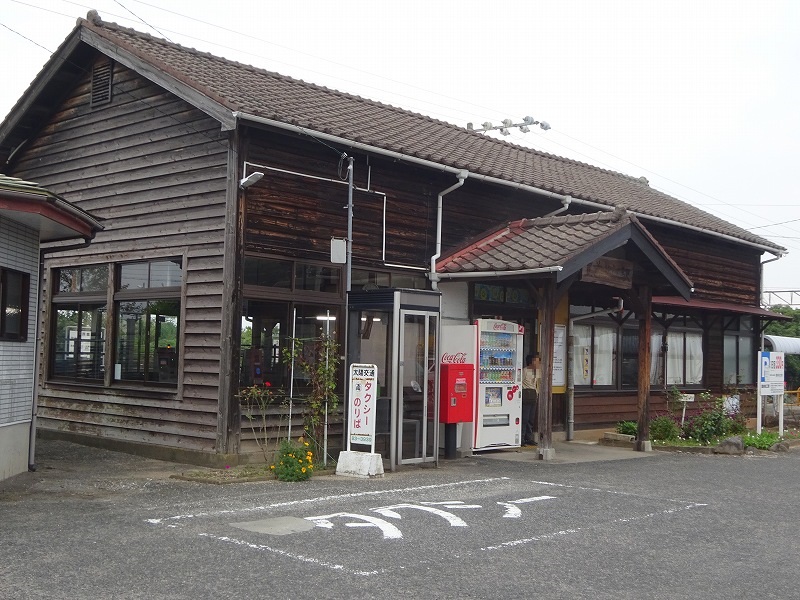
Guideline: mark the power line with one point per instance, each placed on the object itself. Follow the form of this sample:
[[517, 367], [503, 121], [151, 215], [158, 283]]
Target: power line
[[394, 93]]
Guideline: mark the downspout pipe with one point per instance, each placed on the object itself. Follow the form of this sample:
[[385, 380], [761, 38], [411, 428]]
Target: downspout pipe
[[433, 276], [564, 206], [571, 362]]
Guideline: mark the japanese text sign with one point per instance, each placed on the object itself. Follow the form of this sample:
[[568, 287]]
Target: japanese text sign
[[363, 401], [770, 373]]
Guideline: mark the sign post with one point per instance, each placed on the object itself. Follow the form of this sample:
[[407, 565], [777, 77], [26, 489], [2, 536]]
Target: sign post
[[770, 383], [362, 408]]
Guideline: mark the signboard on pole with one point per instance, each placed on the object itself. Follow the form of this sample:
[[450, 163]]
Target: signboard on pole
[[770, 375], [362, 409], [559, 357]]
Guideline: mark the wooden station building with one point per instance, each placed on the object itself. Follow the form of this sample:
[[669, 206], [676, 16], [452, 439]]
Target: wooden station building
[[202, 275]]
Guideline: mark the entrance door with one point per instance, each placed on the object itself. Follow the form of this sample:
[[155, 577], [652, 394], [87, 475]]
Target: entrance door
[[417, 425]]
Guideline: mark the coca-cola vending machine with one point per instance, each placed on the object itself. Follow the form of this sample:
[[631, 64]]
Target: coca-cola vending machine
[[495, 349]]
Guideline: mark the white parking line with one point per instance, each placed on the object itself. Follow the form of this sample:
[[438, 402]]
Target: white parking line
[[564, 532], [300, 557], [165, 520]]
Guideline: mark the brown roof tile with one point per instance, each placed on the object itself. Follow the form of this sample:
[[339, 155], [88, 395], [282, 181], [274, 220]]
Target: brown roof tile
[[264, 94], [541, 243]]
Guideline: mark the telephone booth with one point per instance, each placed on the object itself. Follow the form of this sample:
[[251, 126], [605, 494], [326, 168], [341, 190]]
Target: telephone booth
[[398, 330]]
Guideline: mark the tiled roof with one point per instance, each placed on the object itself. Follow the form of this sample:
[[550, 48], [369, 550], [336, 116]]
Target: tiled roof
[[543, 243], [265, 94], [39, 208]]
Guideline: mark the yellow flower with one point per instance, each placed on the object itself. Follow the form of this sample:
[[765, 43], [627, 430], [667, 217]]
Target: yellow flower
[[304, 469], [272, 466]]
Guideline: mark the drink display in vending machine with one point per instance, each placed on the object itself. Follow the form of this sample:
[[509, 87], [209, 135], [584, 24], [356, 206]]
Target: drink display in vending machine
[[498, 405]]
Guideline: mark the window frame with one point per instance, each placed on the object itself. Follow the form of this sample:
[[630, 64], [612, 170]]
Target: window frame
[[673, 325], [21, 334], [147, 295], [733, 329], [94, 298]]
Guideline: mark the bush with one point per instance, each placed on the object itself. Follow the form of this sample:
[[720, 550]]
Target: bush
[[664, 428], [294, 462], [710, 424], [628, 427], [763, 441]]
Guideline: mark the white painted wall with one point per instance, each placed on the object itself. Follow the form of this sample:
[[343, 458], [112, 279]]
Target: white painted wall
[[455, 302], [19, 250]]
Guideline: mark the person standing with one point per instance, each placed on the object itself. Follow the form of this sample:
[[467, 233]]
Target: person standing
[[530, 397]]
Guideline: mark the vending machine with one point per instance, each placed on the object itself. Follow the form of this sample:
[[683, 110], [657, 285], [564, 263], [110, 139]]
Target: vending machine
[[498, 405], [495, 349]]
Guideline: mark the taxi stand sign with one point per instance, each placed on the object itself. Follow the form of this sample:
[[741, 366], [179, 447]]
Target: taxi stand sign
[[770, 383], [362, 411]]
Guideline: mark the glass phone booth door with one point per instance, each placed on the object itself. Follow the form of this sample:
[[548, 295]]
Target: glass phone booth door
[[398, 330], [418, 425]]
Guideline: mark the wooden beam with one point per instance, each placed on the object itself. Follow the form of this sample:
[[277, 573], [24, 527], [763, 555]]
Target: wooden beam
[[645, 326], [545, 407]]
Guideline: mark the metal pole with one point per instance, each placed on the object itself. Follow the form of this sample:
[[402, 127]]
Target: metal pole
[[348, 282], [291, 373], [325, 428]]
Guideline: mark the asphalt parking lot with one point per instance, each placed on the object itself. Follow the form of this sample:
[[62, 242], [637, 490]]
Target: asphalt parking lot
[[97, 524]]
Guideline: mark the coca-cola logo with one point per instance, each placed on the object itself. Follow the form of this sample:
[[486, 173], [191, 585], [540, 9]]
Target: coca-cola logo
[[457, 358]]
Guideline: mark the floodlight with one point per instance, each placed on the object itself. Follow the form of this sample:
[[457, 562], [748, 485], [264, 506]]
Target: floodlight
[[250, 180]]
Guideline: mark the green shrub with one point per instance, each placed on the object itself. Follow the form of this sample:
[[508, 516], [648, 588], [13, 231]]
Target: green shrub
[[294, 462], [664, 428], [763, 441], [711, 423], [628, 427]]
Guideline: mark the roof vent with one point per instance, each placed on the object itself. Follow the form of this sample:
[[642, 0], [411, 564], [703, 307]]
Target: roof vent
[[102, 75]]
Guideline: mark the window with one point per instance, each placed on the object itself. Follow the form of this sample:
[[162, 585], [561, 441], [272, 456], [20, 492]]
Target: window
[[676, 357], [78, 324], [290, 275], [595, 355], [676, 353], [362, 279], [739, 351], [148, 306], [267, 330], [14, 289]]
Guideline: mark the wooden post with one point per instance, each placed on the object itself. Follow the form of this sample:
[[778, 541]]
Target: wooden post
[[545, 405], [645, 326]]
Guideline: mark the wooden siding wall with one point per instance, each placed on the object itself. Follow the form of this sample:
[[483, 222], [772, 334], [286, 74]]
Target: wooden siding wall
[[153, 168], [296, 216], [719, 270], [609, 409]]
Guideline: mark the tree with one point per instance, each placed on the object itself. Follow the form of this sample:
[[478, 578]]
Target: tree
[[788, 329]]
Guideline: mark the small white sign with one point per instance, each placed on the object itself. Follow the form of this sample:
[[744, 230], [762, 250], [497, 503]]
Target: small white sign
[[363, 401], [339, 250], [559, 355], [770, 373]]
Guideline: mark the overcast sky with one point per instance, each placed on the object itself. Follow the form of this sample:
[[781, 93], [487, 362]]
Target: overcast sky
[[701, 97]]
